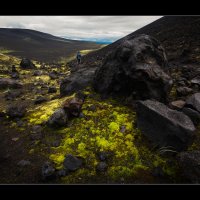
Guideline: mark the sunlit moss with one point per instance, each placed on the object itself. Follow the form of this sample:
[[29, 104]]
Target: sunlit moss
[[42, 113]]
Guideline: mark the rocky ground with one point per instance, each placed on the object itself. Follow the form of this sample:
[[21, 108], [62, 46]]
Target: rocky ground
[[130, 117]]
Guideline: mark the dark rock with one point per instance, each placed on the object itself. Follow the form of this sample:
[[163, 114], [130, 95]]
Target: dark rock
[[189, 162], [183, 91], [52, 89], [101, 167], [80, 95], [23, 163], [177, 105], [62, 173], [192, 114], [13, 94], [122, 129], [104, 156], [59, 118], [15, 75], [77, 81], [36, 132], [164, 126], [48, 171], [53, 75], [16, 111], [92, 108], [56, 143], [37, 73], [72, 163], [27, 64], [194, 102], [73, 107], [9, 83], [136, 68], [40, 99]]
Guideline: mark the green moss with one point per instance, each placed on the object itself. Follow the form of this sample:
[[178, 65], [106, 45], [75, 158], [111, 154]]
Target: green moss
[[42, 113]]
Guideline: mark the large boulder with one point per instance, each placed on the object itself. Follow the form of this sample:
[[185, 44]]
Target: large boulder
[[189, 163], [137, 68], [77, 81], [27, 64], [164, 126], [9, 83]]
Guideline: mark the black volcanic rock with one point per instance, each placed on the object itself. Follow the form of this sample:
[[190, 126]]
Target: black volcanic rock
[[137, 67], [27, 64], [194, 102], [164, 126], [190, 165], [9, 83]]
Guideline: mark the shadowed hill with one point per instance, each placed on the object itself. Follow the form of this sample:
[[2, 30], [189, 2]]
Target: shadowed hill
[[178, 34], [40, 46]]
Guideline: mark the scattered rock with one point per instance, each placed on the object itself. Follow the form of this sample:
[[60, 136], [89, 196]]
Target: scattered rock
[[104, 156], [192, 114], [62, 173], [52, 89], [177, 105], [73, 107], [2, 114], [194, 102], [101, 167], [48, 171], [189, 162], [36, 132], [122, 129], [56, 143], [37, 73], [59, 118], [16, 111], [81, 95], [40, 99], [174, 129], [15, 75], [195, 81], [183, 91], [27, 64], [9, 83], [72, 163], [13, 94], [137, 68], [15, 139], [23, 163], [53, 75], [92, 108]]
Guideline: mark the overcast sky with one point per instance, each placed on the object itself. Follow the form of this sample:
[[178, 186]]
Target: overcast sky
[[80, 27]]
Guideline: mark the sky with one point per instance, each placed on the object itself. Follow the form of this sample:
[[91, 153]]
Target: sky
[[90, 28]]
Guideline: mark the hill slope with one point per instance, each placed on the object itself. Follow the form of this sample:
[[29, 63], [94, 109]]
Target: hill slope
[[40, 46], [178, 34]]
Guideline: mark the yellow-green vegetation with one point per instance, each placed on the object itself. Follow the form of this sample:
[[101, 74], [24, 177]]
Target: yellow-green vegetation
[[42, 113], [110, 128], [5, 51]]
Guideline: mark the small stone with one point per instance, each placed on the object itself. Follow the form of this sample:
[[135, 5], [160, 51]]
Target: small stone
[[40, 99], [101, 167], [72, 163], [15, 139], [23, 163], [47, 171], [52, 89], [62, 173]]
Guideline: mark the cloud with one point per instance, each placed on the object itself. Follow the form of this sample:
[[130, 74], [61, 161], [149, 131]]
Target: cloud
[[82, 27]]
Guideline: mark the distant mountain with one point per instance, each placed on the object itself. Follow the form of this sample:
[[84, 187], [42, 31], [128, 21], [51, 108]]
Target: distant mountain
[[180, 36], [40, 46]]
